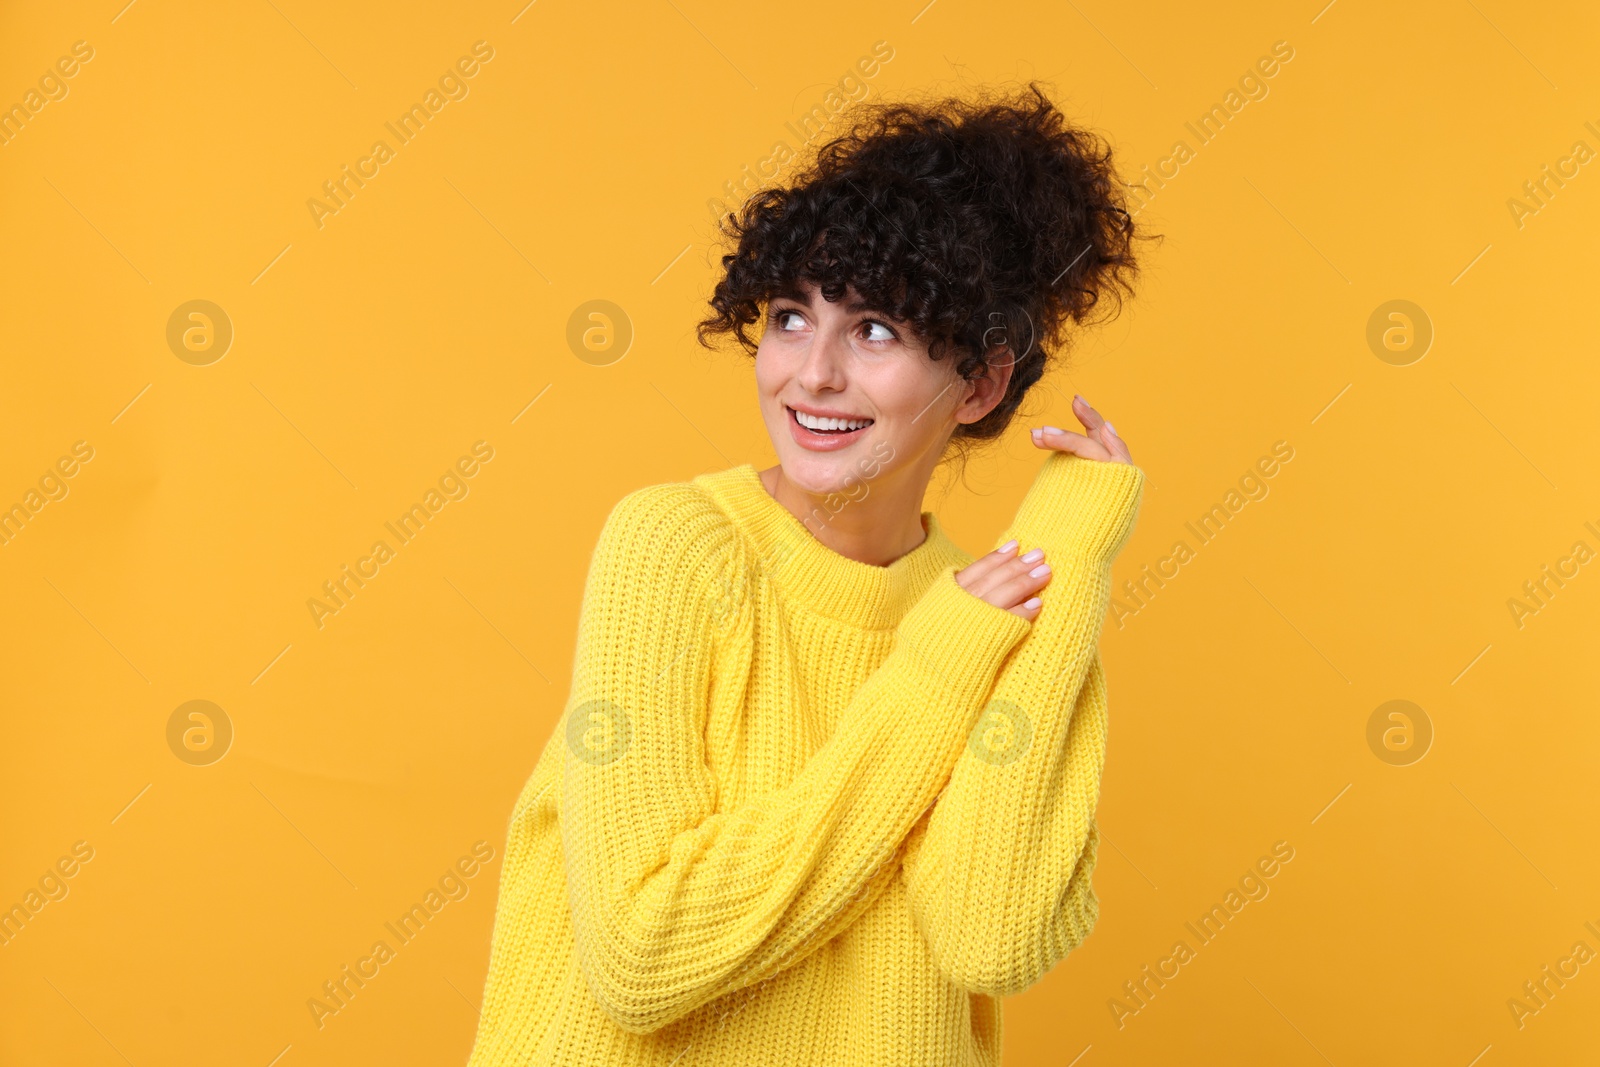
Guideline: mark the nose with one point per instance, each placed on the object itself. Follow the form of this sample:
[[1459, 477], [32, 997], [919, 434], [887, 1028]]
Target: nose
[[823, 368]]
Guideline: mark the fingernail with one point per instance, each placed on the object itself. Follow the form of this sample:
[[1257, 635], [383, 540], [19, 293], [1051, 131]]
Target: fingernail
[[1029, 557], [1008, 546], [1032, 602], [1052, 429], [1079, 396], [1040, 571], [1112, 428]]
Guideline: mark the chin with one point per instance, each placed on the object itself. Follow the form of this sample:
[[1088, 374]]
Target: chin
[[819, 473], [843, 471]]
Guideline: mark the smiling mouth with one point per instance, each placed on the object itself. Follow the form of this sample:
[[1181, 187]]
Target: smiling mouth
[[828, 427]]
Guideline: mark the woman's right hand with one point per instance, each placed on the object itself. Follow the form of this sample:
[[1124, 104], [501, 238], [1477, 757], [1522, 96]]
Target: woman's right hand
[[1008, 580]]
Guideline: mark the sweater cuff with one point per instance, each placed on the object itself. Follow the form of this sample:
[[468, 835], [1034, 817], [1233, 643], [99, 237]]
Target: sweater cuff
[[958, 637], [1080, 508]]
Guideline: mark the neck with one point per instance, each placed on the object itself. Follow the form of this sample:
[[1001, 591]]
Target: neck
[[876, 527]]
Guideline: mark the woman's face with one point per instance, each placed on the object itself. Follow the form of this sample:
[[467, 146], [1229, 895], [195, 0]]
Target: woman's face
[[818, 358]]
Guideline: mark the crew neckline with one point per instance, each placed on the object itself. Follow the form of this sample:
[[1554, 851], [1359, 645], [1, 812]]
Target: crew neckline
[[808, 571]]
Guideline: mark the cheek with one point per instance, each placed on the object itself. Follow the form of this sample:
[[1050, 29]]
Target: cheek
[[776, 367], [911, 393], [769, 371]]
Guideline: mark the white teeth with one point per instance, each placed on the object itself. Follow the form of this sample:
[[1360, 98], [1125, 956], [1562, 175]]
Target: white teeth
[[812, 422]]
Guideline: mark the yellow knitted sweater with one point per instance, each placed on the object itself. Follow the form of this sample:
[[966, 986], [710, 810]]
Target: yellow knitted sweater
[[800, 809]]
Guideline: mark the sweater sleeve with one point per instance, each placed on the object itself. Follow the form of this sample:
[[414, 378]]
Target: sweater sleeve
[[676, 900], [998, 872]]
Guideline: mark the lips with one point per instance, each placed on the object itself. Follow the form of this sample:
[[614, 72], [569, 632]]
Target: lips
[[822, 440], [829, 416]]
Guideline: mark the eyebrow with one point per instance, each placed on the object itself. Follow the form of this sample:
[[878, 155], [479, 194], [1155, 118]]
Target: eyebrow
[[793, 293]]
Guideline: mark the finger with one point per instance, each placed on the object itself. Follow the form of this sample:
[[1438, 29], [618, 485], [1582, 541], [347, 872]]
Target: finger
[[1117, 446], [1025, 611], [1078, 444], [999, 585], [1018, 588], [1012, 581], [979, 569], [1087, 415], [1101, 430]]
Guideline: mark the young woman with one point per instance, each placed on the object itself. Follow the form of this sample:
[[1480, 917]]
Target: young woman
[[824, 787]]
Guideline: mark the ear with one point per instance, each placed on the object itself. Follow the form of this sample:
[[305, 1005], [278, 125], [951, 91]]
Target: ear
[[984, 393]]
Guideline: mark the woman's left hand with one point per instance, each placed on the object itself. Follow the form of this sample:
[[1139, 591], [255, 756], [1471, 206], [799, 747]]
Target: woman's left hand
[[1099, 441]]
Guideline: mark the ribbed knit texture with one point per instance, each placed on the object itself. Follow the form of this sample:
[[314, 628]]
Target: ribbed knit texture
[[800, 809]]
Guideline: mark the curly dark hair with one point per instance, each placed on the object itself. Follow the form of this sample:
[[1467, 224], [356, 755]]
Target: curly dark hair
[[986, 224]]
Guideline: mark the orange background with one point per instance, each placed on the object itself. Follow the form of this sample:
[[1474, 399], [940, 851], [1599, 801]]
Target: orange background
[[431, 312]]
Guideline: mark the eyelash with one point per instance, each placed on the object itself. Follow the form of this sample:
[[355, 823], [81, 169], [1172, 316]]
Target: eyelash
[[777, 314]]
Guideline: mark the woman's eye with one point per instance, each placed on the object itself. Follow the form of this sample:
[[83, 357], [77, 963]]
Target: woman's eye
[[888, 334], [782, 314]]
